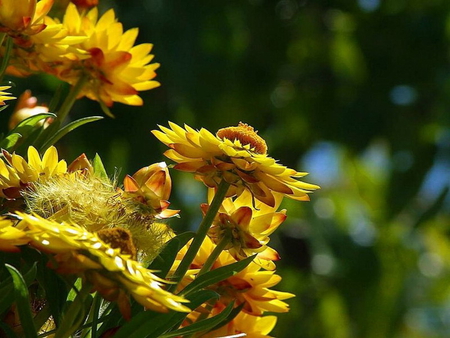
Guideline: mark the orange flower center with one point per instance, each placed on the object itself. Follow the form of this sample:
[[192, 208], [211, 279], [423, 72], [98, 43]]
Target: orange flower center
[[118, 238], [246, 135]]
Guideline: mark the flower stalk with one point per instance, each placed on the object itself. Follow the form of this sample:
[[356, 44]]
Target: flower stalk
[[201, 232], [216, 252], [7, 54], [71, 98]]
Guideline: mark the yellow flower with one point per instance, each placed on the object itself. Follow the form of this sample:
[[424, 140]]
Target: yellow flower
[[252, 326], [112, 273], [249, 286], [96, 204], [249, 227], [115, 69], [11, 237], [16, 173], [238, 156], [23, 17], [151, 186], [5, 96]]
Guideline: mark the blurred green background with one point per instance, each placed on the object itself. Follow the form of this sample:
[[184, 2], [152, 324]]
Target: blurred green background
[[357, 93]]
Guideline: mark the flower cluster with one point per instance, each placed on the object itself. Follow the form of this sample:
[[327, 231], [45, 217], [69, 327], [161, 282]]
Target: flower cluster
[[83, 48], [236, 158], [109, 242]]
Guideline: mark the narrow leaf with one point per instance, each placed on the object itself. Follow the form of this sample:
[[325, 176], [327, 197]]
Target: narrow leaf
[[27, 125], [23, 302], [56, 99], [151, 324], [76, 313], [164, 261], [10, 141], [7, 288], [216, 275], [68, 128], [202, 325]]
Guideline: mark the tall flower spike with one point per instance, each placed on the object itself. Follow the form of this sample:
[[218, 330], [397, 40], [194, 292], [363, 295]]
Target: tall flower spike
[[237, 155], [112, 273]]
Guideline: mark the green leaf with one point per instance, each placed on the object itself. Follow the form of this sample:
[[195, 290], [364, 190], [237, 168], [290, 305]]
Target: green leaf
[[23, 302], [6, 54], [76, 313], [216, 275], [50, 281], [26, 126], [7, 288], [149, 324], [56, 99], [10, 141], [99, 168], [4, 107], [202, 325], [4, 328], [68, 128], [164, 261]]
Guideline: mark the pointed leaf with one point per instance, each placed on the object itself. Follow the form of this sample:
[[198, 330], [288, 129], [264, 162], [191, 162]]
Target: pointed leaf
[[7, 288], [10, 141], [149, 324], [68, 128], [26, 126], [56, 99], [76, 313], [164, 261], [216, 275], [99, 168], [23, 302], [202, 325]]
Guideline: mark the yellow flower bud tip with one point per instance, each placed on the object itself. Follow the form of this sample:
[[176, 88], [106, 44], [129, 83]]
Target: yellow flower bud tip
[[118, 238], [246, 135]]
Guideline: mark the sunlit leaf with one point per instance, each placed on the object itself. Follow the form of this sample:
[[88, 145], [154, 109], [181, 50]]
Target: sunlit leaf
[[22, 300], [217, 275]]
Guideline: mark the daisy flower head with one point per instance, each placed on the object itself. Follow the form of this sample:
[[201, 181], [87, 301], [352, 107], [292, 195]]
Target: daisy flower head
[[237, 155], [115, 70], [16, 174], [248, 228]]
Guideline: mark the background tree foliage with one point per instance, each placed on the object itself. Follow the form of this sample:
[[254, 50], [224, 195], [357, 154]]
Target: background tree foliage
[[354, 92]]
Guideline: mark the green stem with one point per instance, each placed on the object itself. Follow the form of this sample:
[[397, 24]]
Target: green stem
[[8, 51], [201, 233], [216, 252], [71, 98]]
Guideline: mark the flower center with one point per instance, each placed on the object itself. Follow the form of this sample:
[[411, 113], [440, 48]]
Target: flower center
[[246, 135], [118, 238]]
